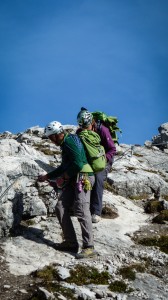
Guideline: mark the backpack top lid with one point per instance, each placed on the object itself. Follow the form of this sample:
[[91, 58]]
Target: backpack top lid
[[109, 121], [99, 115]]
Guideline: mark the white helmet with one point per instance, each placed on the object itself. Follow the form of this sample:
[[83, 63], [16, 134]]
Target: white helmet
[[53, 127], [84, 118]]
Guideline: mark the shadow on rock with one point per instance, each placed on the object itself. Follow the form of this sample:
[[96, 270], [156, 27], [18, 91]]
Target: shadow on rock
[[17, 211], [33, 234], [44, 166]]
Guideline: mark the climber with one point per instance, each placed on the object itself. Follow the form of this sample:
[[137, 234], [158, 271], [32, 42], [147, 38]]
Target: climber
[[85, 120], [78, 180]]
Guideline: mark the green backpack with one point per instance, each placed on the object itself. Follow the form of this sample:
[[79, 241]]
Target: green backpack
[[108, 121], [94, 150]]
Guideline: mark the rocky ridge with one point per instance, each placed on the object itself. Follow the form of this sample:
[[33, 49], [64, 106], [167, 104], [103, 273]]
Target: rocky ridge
[[136, 192]]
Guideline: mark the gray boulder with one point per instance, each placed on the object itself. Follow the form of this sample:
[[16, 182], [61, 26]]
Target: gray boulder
[[161, 140]]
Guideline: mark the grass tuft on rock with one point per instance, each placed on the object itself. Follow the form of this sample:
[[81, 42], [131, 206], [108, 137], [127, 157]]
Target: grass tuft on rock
[[83, 275], [108, 213], [48, 273], [153, 206], [109, 187], [127, 273], [161, 242], [138, 197], [161, 218], [118, 286]]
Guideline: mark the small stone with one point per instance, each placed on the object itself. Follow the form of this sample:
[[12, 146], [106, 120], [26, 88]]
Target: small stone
[[6, 286], [23, 291]]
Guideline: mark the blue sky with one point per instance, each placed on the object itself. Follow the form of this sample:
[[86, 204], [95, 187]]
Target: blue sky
[[107, 55]]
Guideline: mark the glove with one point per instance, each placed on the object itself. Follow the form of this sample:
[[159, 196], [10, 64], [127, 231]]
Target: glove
[[42, 178], [61, 182]]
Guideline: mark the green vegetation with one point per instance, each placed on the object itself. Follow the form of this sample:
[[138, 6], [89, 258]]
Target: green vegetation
[[110, 188], [128, 272], [82, 275], [153, 206], [118, 286], [29, 222], [138, 197], [139, 267], [50, 152], [161, 242], [48, 273], [137, 154], [50, 279], [57, 290], [161, 218], [108, 213]]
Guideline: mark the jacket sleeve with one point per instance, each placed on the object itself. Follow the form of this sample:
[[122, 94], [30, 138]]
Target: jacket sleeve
[[108, 143], [56, 173]]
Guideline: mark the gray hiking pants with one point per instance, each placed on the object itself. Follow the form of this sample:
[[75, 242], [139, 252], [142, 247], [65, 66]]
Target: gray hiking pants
[[80, 201], [97, 191]]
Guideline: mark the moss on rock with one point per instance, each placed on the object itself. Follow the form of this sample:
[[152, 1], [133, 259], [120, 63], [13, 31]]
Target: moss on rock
[[161, 218]]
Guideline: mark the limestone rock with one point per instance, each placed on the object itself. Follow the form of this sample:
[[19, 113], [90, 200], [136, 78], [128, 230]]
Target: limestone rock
[[161, 140]]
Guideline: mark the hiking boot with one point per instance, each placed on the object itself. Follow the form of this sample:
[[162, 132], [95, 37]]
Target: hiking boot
[[95, 218], [67, 246], [86, 252]]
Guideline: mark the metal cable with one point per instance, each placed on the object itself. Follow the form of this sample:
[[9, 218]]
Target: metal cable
[[8, 188]]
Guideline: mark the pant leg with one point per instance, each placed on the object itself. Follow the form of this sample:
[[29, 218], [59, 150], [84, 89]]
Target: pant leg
[[82, 211], [65, 202], [97, 191]]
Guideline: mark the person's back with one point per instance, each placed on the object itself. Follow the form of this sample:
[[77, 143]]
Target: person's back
[[73, 158], [106, 141]]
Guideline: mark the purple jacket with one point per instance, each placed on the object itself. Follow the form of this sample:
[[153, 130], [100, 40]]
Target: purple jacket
[[107, 142]]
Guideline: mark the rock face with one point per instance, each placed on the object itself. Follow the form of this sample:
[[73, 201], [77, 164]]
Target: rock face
[[23, 157], [161, 140], [139, 174]]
